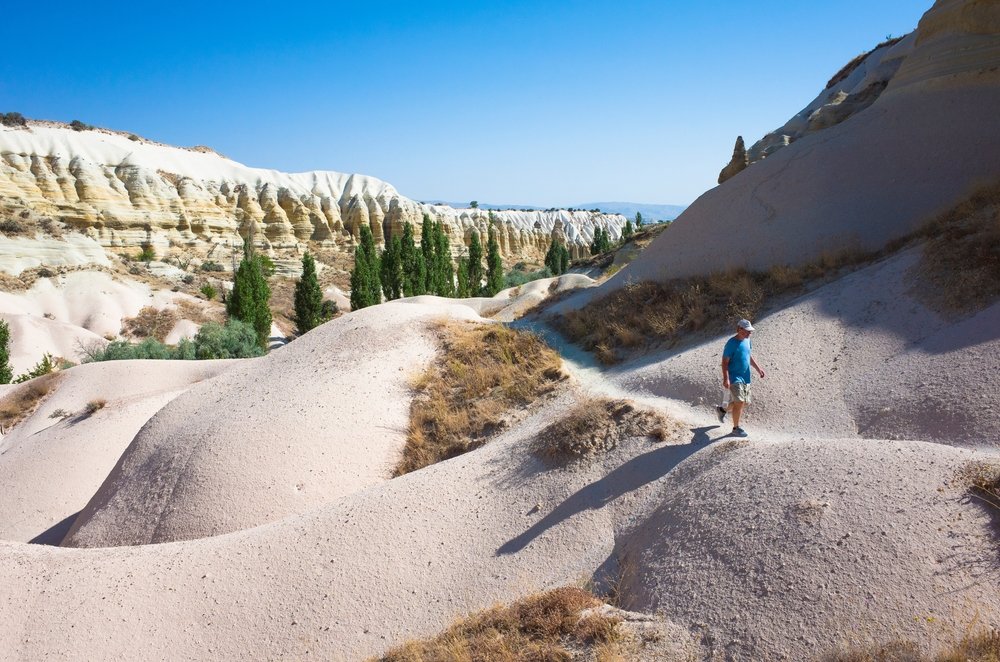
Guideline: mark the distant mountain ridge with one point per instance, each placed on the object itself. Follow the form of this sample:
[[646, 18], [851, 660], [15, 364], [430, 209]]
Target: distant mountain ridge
[[650, 212]]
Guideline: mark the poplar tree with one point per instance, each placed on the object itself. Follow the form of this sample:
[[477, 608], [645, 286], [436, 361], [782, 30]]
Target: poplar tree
[[638, 220], [475, 265], [444, 277], [628, 231], [427, 251], [463, 290], [308, 297], [563, 258], [248, 302], [494, 264], [392, 269], [408, 263], [366, 286], [6, 371], [552, 258]]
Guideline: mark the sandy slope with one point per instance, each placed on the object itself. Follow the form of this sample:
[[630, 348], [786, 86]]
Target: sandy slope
[[860, 356], [321, 418], [51, 467]]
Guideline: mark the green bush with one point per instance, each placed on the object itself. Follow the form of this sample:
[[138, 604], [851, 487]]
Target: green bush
[[6, 371], [208, 291], [77, 125], [43, 367], [518, 277], [235, 340], [148, 254]]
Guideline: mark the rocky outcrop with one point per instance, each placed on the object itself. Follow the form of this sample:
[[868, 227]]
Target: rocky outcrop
[[122, 192], [738, 163]]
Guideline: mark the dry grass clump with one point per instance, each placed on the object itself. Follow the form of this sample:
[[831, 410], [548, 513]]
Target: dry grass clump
[[596, 426], [645, 313], [962, 253], [94, 406], [982, 479], [200, 313], [981, 647], [19, 404], [483, 371], [542, 628], [150, 322]]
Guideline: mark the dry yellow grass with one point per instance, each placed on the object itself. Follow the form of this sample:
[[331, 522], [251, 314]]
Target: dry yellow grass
[[641, 314], [961, 257], [982, 479], [542, 628], [483, 371], [981, 647], [596, 426], [19, 404], [150, 322]]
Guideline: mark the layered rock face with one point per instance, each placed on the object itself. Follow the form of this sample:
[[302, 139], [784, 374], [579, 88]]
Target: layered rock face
[[124, 191]]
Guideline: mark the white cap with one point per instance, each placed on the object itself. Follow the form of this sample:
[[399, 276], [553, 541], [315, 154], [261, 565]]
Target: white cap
[[745, 325]]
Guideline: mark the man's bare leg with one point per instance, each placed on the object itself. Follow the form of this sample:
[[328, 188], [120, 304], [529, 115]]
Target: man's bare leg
[[737, 410]]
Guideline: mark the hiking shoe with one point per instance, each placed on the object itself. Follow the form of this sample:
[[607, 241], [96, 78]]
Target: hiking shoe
[[739, 432], [721, 411]]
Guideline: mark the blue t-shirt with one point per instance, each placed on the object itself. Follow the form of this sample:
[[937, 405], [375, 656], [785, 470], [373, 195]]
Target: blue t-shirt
[[738, 353]]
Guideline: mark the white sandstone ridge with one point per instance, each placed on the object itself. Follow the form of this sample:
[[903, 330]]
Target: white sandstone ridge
[[122, 190]]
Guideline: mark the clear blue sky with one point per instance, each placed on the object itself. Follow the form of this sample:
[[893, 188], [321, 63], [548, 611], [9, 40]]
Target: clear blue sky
[[504, 102]]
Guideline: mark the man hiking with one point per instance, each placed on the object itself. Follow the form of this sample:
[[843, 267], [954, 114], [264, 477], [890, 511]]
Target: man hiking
[[736, 364]]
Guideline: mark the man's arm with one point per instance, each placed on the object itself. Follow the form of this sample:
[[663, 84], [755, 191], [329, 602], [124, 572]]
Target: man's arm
[[757, 368], [725, 372]]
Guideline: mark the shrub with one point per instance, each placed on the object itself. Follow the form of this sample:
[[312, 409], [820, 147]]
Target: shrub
[[212, 266], [77, 125], [536, 628], [12, 119], [147, 254], [21, 402], [596, 426], [482, 373], [6, 371], [43, 367], [151, 323], [187, 279], [12, 226], [208, 291], [94, 406], [133, 137], [235, 340], [517, 277]]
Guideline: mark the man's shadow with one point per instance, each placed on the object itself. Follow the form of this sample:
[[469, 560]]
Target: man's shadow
[[630, 476]]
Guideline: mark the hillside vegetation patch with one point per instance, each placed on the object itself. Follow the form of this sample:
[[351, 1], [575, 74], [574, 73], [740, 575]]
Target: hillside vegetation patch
[[482, 373], [596, 426], [545, 627], [981, 647], [22, 401]]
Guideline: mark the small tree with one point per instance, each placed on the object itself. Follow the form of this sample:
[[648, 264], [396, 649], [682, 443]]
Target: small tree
[[6, 371], [638, 220], [474, 204], [444, 277], [494, 264], [248, 302], [308, 297], [628, 231], [413, 280], [427, 251], [474, 275], [553, 257], [563, 258], [601, 243]]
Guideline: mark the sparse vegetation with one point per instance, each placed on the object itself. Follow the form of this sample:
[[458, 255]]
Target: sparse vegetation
[[77, 125], [45, 366], [6, 371], [482, 373], [982, 479], [12, 119], [210, 265], [94, 406], [147, 254], [208, 291], [11, 226], [21, 402], [235, 340], [981, 647], [596, 426], [961, 256], [644, 313], [150, 323], [543, 627], [520, 275]]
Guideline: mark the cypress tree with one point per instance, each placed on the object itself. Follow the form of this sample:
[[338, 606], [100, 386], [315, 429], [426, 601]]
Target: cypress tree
[[475, 265], [366, 286], [638, 220], [6, 371], [392, 269], [248, 302], [427, 250], [557, 257], [308, 297], [444, 277], [494, 264], [628, 231], [408, 263], [463, 278]]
